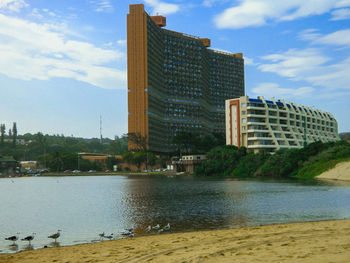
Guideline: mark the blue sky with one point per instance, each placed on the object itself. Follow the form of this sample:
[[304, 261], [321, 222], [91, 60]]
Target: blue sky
[[63, 63]]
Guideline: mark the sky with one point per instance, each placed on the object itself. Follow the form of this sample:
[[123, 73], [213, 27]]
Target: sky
[[63, 62]]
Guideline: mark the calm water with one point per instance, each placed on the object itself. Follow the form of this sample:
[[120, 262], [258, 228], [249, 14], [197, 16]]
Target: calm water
[[83, 207]]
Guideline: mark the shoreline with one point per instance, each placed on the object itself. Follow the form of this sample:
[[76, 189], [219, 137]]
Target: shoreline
[[320, 241]]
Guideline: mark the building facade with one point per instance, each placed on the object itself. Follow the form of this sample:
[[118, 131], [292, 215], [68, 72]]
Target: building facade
[[175, 82], [270, 125]]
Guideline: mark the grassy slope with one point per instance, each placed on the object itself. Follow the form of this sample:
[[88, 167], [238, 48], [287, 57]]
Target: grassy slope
[[318, 168]]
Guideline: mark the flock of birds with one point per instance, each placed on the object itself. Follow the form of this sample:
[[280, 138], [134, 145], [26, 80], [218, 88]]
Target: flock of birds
[[130, 231], [29, 238], [127, 233]]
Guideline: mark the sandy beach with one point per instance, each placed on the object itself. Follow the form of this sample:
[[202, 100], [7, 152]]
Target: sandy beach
[[325, 241], [340, 172]]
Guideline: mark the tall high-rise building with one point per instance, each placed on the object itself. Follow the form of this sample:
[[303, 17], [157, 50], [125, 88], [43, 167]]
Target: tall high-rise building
[[175, 82]]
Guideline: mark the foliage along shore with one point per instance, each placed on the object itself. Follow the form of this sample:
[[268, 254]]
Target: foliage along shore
[[304, 163]]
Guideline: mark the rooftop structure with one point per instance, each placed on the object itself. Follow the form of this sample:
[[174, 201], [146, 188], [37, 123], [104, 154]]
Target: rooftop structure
[[272, 125], [175, 82]]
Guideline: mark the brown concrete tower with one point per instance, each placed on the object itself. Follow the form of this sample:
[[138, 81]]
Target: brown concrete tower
[[137, 70]]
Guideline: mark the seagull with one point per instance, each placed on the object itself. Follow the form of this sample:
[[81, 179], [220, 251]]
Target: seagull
[[131, 229], [28, 238], [148, 229], [109, 237], [126, 233], [131, 235], [156, 227], [167, 227], [160, 231], [56, 235], [102, 235], [12, 238]]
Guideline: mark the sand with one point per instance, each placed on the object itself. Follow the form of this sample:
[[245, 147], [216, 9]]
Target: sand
[[326, 241], [340, 172]]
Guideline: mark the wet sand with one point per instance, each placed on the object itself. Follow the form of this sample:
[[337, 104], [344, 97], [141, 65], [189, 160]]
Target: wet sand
[[325, 241]]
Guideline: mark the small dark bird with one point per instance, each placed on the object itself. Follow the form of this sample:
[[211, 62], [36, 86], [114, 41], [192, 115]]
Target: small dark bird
[[28, 238], [12, 238], [56, 235]]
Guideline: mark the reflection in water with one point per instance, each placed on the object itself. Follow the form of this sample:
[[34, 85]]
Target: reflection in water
[[13, 247], [28, 247], [54, 244], [87, 206]]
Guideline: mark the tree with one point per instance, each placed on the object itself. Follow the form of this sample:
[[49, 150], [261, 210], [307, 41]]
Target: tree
[[110, 162], [41, 141], [139, 159], [55, 161], [128, 157], [138, 142], [3, 132], [14, 134]]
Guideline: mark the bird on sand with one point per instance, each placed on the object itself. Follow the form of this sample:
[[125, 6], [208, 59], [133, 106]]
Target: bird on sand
[[167, 227], [131, 229], [12, 238], [56, 235], [148, 229], [126, 233], [28, 238], [156, 227], [102, 235], [109, 237]]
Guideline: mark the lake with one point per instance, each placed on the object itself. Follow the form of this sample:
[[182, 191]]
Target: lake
[[84, 206]]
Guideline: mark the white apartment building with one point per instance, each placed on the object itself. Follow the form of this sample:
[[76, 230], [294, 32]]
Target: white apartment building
[[271, 125]]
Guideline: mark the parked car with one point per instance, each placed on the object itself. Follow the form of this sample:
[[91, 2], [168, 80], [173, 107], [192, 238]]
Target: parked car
[[92, 171], [76, 171], [67, 171]]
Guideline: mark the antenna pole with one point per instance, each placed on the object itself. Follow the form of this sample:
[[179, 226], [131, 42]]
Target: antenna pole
[[100, 129]]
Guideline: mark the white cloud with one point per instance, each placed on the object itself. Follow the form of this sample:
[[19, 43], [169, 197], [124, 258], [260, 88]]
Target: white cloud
[[269, 90], [294, 63], [249, 61], [162, 8], [121, 42], [341, 14], [42, 51], [338, 38], [12, 5], [102, 6], [210, 3], [309, 34], [311, 66], [260, 12]]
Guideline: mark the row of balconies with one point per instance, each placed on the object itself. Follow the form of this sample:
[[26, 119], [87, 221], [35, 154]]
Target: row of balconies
[[283, 111], [284, 117]]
